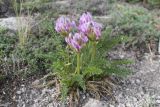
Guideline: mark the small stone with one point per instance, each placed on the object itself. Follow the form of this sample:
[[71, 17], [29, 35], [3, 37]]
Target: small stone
[[128, 105], [132, 81], [94, 103], [87, 94], [111, 106], [138, 81], [158, 97], [14, 97], [22, 85], [158, 101], [84, 97], [50, 105], [144, 89], [134, 99], [4, 92], [23, 89], [121, 105], [36, 82], [121, 56], [19, 92]]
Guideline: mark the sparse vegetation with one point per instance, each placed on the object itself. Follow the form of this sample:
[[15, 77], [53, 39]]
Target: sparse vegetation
[[81, 65], [135, 22]]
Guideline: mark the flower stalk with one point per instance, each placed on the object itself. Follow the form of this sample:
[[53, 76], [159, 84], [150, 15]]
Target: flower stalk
[[78, 34], [78, 63], [93, 50]]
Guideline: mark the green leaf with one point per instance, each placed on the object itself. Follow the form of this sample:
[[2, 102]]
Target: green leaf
[[118, 71], [91, 71], [79, 80], [64, 92], [121, 62]]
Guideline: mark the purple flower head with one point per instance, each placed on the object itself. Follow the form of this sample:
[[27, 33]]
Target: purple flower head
[[86, 17], [97, 28], [91, 29], [64, 25], [85, 28], [76, 41]]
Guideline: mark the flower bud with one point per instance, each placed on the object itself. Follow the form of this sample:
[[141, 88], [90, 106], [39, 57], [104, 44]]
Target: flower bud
[[91, 29], [64, 25], [86, 17], [76, 41]]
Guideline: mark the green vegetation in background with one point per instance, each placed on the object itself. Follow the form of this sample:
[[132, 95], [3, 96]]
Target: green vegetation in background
[[96, 7], [29, 60], [155, 3], [29, 4], [133, 1], [135, 22]]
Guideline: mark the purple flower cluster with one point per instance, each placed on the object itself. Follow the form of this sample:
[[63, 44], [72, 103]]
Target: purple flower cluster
[[76, 41], [86, 29], [85, 18], [91, 29], [64, 25]]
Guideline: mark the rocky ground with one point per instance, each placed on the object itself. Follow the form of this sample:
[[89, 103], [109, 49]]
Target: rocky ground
[[140, 89]]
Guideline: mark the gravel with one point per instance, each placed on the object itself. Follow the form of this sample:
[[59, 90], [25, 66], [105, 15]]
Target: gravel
[[141, 88], [30, 97]]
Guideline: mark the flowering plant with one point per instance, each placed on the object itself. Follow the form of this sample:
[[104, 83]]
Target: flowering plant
[[85, 41]]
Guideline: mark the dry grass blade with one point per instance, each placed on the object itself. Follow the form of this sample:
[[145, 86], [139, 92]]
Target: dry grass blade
[[92, 88], [100, 88], [74, 97]]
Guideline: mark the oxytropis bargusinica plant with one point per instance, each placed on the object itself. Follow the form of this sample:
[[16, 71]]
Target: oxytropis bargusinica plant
[[82, 61]]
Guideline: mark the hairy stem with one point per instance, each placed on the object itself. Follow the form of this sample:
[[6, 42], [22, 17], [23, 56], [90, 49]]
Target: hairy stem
[[78, 63], [93, 51], [68, 54]]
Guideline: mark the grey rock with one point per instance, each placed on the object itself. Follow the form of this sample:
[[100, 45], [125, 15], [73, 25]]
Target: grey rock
[[23, 89], [157, 101], [5, 8], [5, 105], [16, 23], [158, 97], [137, 81], [84, 97], [111, 105], [134, 99], [121, 105], [19, 92], [128, 105], [36, 82], [94, 103]]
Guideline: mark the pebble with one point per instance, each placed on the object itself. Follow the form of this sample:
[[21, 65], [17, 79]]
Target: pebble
[[94, 103], [111, 105], [158, 97], [121, 105], [18, 92], [23, 89], [128, 105], [138, 81], [134, 99], [36, 82], [158, 101], [84, 97]]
